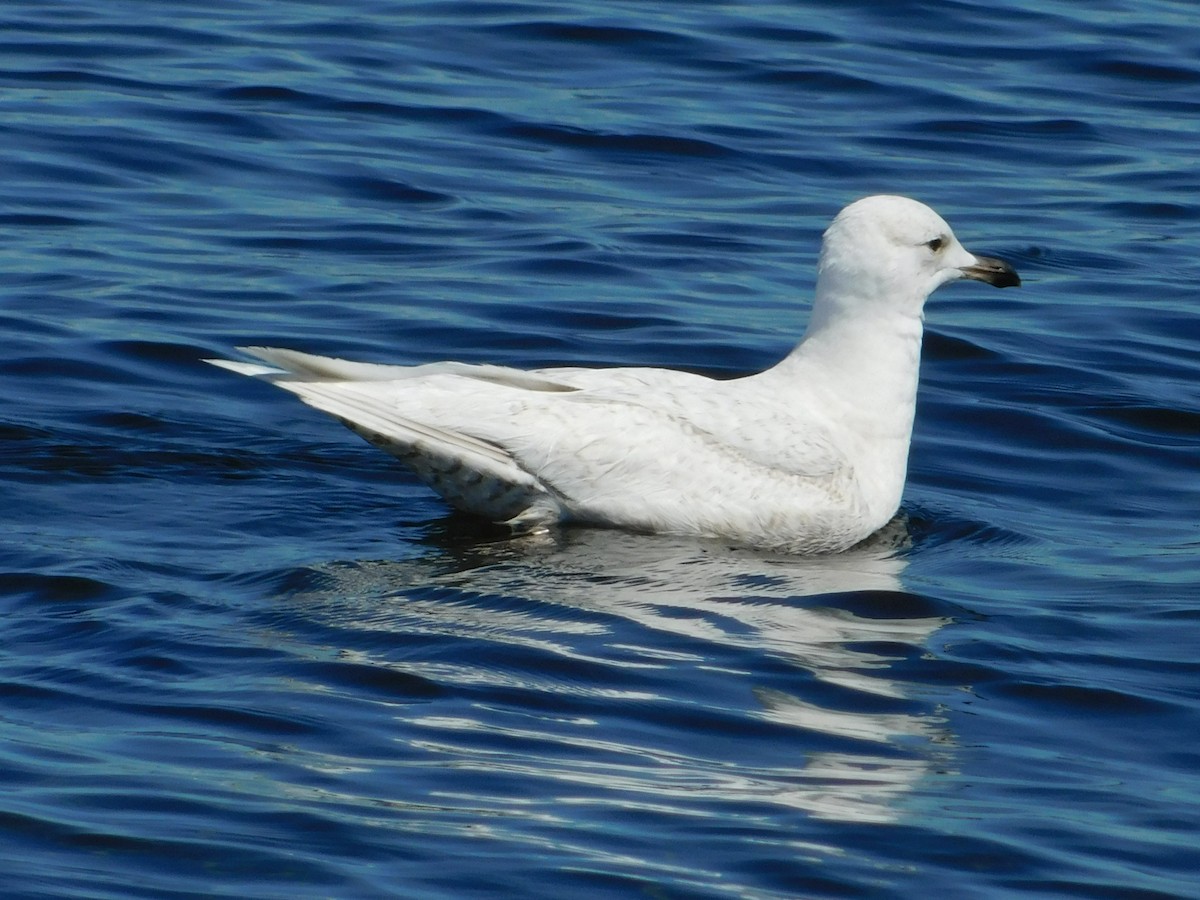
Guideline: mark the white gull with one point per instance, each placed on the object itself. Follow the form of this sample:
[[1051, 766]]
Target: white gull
[[807, 456]]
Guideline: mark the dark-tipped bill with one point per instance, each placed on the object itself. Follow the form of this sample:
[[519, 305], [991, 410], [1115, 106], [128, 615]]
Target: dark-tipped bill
[[994, 271]]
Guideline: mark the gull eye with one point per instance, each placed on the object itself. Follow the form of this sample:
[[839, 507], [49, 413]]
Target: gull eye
[[936, 244]]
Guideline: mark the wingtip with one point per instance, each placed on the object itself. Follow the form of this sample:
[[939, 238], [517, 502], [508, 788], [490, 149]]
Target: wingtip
[[252, 369]]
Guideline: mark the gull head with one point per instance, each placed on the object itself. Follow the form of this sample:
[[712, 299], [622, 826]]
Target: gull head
[[888, 254]]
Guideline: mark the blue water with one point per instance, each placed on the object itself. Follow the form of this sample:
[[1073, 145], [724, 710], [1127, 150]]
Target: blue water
[[246, 655]]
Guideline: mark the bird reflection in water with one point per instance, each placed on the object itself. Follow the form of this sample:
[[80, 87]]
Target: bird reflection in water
[[811, 651]]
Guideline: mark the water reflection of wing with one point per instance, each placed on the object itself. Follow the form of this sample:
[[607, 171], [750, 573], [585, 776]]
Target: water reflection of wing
[[808, 611]]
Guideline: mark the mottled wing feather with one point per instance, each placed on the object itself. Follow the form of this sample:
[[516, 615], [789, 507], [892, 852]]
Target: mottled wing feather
[[471, 473]]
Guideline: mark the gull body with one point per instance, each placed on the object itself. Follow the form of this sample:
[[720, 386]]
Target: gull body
[[807, 456]]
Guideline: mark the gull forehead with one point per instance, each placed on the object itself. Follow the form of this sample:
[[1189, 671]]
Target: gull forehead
[[895, 216]]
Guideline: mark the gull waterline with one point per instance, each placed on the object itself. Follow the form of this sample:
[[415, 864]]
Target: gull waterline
[[807, 456]]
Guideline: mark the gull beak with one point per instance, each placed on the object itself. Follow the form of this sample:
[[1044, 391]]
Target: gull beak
[[994, 271]]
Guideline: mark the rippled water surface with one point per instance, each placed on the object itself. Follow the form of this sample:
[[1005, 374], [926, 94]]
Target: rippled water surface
[[246, 655]]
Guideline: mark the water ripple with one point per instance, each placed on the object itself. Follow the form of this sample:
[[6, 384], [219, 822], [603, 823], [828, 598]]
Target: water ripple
[[248, 656]]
